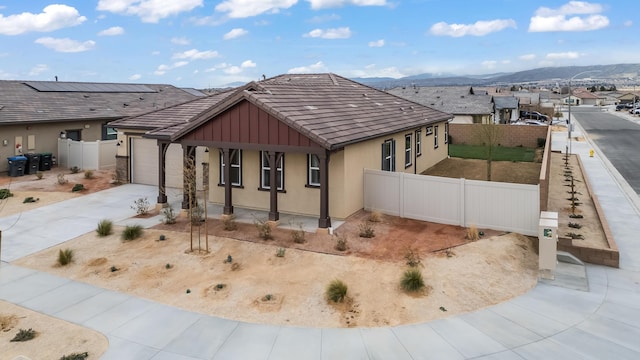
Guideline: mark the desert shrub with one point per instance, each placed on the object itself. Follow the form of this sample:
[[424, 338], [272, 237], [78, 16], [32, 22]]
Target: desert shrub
[[541, 142], [267, 297], [366, 230], [61, 179], [39, 175], [162, 238], [298, 235], [412, 257], [29, 199], [472, 233], [197, 215], [65, 257], [104, 228], [375, 216], [412, 280], [24, 335], [264, 229], [336, 290], [169, 215], [341, 243], [77, 187], [141, 206], [229, 222], [132, 232], [75, 356], [280, 252], [168, 266], [88, 174], [575, 225], [75, 170], [5, 193]]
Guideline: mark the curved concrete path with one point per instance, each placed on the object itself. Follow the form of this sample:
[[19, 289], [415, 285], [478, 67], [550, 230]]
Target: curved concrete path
[[549, 322]]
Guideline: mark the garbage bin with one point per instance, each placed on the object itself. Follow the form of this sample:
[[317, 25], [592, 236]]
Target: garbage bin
[[45, 161], [17, 165], [33, 163]]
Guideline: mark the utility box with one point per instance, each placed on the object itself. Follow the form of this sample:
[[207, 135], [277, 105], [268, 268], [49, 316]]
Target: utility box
[[547, 247]]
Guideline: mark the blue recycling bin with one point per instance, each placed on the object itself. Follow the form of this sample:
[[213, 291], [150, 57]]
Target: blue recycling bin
[[17, 165]]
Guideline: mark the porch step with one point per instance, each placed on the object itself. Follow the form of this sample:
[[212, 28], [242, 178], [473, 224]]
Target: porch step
[[567, 257]]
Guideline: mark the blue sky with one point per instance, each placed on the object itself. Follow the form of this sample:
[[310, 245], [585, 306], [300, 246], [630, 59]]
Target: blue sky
[[201, 43]]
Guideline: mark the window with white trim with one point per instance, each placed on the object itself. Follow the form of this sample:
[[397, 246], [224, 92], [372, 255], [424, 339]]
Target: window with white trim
[[235, 158], [313, 172], [429, 130], [418, 142], [265, 172], [407, 150], [435, 137], [389, 155], [446, 133]]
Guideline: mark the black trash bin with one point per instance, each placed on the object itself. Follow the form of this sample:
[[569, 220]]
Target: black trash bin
[[45, 161], [33, 163], [17, 165]]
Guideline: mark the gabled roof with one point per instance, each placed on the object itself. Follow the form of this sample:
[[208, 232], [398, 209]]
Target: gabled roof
[[50, 101], [505, 102], [456, 100], [329, 109]]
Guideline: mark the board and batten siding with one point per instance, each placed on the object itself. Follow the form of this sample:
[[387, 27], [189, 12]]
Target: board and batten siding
[[485, 204]]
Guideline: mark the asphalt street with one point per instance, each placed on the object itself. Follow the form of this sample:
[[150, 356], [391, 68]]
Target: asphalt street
[[617, 137]]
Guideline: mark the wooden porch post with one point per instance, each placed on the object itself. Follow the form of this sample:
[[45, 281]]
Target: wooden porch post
[[324, 221], [227, 154], [162, 177], [188, 174], [273, 156]]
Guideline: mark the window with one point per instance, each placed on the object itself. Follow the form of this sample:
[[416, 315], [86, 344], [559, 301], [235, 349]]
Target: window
[[313, 173], [429, 130], [236, 167], [389, 155], [446, 133], [435, 137], [407, 150], [418, 142], [109, 133], [265, 173]]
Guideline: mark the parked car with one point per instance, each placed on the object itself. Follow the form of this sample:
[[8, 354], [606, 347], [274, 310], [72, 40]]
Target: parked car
[[620, 107], [635, 111], [533, 115], [529, 122]]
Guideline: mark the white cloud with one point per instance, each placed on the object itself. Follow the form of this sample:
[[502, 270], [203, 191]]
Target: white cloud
[[527, 57], [247, 64], [162, 69], [337, 33], [235, 33], [233, 70], [66, 45], [324, 18], [372, 70], [628, 23], [112, 31], [247, 8], [563, 55], [178, 64], [547, 19], [180, 41], [150, 11], [318, 67], [479, 28], [194, 54], [52, 17], [323, 4], [38, 69], [489, 64], [135, 77], [377, 43]]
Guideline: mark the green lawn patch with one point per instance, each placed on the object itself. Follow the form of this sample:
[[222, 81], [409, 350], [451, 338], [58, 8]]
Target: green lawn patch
[[500, 153]]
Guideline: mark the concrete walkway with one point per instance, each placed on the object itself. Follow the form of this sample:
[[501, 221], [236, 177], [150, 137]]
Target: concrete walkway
[[549, 322]]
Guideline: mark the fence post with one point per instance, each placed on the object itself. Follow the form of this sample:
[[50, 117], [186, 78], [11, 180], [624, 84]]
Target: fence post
[[462, 212], [401, 194]]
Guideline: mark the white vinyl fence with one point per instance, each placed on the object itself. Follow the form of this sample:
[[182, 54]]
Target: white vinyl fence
[[485, 204], [87, 155]]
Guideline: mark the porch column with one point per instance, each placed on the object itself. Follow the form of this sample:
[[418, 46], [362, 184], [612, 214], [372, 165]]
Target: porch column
[[274, 156], [188, 174], [162, 182], [324, 221], [227, 154]]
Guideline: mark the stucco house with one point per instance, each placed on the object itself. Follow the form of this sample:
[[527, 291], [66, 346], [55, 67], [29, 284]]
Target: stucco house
[[292, 143], [34, 114]]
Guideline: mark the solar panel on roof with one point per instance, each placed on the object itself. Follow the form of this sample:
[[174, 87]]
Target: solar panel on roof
[[54, 86]]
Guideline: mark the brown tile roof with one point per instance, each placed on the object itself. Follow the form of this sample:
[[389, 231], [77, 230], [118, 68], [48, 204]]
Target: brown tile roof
[[50, 101], [329, 109]]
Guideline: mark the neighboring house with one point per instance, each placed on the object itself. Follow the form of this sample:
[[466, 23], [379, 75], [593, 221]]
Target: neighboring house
[[628, 98], [34, 114], [505, 109], [293, 143], [583, 97], [527, 98], [466, 105]]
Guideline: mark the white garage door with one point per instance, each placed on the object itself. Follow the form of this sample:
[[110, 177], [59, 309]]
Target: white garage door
[[144, 163]]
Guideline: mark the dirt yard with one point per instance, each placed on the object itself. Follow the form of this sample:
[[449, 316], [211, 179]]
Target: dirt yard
[[259, 286]]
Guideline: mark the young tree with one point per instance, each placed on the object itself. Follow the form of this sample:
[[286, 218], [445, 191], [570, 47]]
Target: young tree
[[489, 135]]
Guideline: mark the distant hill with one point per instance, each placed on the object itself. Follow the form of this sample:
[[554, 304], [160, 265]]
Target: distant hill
[[609, 72]]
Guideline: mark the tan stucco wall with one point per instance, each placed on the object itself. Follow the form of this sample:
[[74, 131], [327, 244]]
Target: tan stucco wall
[[46, 137]]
